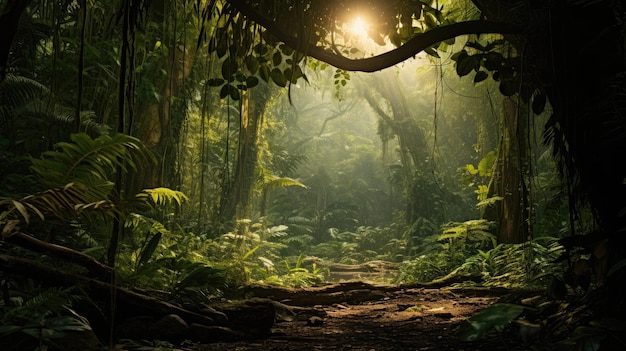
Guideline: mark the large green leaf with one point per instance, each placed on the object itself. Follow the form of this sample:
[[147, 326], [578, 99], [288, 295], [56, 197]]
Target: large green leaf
[[480, 76], [464, 63], [492, 318], [229, 68], [252, 64], [485, 166], [278, 77], [149, 249]]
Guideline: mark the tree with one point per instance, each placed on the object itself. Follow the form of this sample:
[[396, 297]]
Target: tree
[[9, 21]]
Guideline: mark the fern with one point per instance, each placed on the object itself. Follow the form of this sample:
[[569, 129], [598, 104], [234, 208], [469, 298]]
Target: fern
[[275, 182], [16, 91], [90, 161], [163, 196], [64, 202], [45, 316], [476, 230], [37, 307]]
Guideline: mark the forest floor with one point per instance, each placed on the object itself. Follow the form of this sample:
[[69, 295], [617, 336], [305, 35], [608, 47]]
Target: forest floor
[[360, 316]]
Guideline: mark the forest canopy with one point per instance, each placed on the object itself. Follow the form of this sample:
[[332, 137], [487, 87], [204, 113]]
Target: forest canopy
[[185, 149]]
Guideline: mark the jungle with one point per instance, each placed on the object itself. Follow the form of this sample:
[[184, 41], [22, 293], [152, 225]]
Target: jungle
[[312, 175]]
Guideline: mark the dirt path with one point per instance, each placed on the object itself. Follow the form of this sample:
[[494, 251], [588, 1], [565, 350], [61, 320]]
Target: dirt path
[[402, 319]]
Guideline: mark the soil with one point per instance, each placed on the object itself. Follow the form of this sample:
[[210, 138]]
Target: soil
[[379, 319]]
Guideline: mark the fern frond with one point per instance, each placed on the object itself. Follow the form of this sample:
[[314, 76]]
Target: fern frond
[[280, 182], [143, 224], [16, 91], [62, 202], [303, 239], [52, 299], [163, 196], [90, 161]]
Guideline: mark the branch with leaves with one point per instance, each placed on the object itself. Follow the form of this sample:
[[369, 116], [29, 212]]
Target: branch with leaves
[[405, 51]]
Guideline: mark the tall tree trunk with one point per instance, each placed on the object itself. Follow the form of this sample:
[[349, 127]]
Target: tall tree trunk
[[9, 21], [237, 192], [159, 122], [509, 179], [412, 144]]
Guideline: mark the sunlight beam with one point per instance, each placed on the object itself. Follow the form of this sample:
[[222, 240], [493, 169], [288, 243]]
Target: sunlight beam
[[358, 28]]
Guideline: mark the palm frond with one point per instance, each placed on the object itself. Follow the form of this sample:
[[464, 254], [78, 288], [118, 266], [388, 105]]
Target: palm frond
[[66, 202], [163, 196], [275, 182], [144, 224], [16, 91], [90, 161]]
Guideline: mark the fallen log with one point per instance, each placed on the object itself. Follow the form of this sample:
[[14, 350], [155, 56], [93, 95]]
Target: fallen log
[[126, 301], [353, 292], [357, 291], [31, 243]]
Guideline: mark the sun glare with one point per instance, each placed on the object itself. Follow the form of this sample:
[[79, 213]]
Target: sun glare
[[358, 28]]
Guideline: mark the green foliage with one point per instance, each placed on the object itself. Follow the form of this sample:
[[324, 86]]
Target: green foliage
[[172, 261], [469, 235], [14, 172], [243, 68], [248, 254], [90, 161], [524, 265], [364, 244], [31, 118], [428, 267], [163, 196], [65, 202], [441, 254], [296, 276], [419, 232], [493, 318], [80, 187], [147, 345], [479, 177], [41, 318]]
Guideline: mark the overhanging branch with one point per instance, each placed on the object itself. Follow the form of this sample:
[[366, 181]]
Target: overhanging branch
[[387, 59]]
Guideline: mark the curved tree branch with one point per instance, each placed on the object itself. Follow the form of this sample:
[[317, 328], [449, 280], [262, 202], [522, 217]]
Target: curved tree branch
[[29, 242], [375, 63]]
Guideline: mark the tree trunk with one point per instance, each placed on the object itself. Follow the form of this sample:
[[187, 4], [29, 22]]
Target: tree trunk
[[31, 243], [412, 143], [159, 122], [9, 21], [509, 179], [237, 192]]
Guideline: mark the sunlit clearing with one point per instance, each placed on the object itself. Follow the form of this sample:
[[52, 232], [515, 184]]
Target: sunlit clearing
[[358, 28]]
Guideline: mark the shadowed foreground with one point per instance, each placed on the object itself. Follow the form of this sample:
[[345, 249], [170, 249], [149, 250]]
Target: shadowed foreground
[[390, 319]]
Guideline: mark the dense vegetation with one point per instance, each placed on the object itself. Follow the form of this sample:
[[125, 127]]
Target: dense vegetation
[[181, 150]]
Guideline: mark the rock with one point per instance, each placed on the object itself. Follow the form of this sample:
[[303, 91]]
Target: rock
[[257, 314], [77, 341], [209, 334], [169, 327], [134, 328]]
